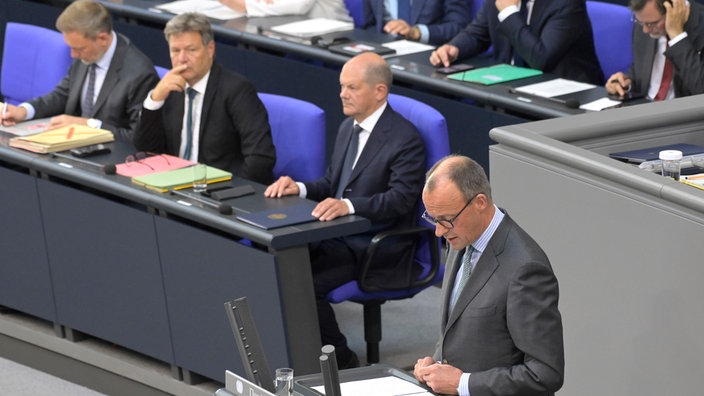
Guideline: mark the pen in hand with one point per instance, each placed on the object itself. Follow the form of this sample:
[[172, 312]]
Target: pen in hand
[[4, 111]]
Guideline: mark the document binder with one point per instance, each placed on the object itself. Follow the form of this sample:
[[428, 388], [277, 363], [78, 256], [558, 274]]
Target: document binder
[[62, 139], [178, 179], [495, 74], [280, 217]]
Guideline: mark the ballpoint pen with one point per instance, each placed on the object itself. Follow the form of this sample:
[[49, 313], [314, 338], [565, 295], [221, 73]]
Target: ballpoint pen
[[4, 111]]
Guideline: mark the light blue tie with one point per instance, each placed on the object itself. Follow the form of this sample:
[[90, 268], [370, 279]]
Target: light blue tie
[[189, 123], [464, 276]]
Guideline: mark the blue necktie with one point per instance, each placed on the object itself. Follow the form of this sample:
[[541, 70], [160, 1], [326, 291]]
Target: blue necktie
[[89, 99], [189, 123], [349, 161], [404, 10]]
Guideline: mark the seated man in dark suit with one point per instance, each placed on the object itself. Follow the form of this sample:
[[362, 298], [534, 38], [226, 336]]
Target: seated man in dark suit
[[666, 35], [106, 83], [501, 330], [428, 21], [203, 112], [553, 36], [376, 171]]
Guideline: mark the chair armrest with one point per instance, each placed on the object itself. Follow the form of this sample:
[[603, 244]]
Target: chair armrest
[[418, 232]]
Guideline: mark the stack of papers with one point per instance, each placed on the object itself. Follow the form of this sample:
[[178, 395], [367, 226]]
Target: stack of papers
[[210, 8], [495, 74], [61, 139], [313, 27], [178, 179], [152, 164]]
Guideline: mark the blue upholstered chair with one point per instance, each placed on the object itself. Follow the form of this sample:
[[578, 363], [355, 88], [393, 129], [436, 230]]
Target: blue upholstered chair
[[34, 60], [613, 31], [433, 129], [298, 131], [161, 71]]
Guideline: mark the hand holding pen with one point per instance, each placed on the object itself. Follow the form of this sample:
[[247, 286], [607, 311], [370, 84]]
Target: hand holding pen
[[11, 115], [618, 84], [4, 112]]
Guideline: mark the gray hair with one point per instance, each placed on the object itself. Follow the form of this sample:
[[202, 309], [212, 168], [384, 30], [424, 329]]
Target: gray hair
[[190, 22], [464, 172], [638, 5]]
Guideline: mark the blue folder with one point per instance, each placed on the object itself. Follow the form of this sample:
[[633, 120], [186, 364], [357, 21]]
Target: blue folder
[[652, 153], [280, 217]]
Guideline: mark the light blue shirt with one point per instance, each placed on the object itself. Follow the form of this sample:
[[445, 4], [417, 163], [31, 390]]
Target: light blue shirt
[[391, 13]]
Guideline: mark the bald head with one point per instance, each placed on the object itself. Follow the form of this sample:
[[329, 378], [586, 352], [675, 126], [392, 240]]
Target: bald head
[[364, 85]]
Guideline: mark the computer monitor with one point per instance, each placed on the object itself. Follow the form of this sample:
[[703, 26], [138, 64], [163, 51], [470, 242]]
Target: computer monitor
[[249, 344]]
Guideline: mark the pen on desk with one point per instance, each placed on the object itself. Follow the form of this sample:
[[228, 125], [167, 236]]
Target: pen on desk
[[69, 135]]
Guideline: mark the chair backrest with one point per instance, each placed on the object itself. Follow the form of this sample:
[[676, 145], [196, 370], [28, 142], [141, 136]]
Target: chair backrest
[[298, 131], [356, 10], [474, 8], [613, 31], [433, 129], [34, 61], [161, 71]]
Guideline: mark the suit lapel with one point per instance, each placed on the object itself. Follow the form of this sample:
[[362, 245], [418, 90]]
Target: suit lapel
[[112, 76], [377, 140], [210, 92]]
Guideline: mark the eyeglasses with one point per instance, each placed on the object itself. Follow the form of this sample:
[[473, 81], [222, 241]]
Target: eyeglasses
[[137, 158], [449, 224], [649, 25]]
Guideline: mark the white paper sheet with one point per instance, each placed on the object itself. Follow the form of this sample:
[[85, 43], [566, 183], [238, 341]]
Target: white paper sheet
[[210, 8], [404, 47], [384, 386], [556, 87], [313, 27]]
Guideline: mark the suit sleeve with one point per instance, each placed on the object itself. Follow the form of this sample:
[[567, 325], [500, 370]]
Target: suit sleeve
[[474, 38], [535, 326], [138, 83], [149, 135], [688, 64], [249, 117], [562, 28], [455, 16]]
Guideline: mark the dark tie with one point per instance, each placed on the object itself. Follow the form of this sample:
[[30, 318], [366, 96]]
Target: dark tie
[[349, 161], [404, 10], [87, 105], [464, 276], [189, 123], [523, 12], [666, 80]]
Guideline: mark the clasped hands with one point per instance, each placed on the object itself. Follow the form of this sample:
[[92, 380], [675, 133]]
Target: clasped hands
[[326, 210], [441, 378]]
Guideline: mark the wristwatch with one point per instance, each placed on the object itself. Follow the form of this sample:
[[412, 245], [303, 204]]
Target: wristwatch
[[416, 30], [94, 123]]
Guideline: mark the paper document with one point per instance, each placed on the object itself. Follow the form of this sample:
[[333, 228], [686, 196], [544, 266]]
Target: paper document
[[61, 139], [384, 386], [404, 47], [556, 87], [600, 104], [313, 27], [27, 128], [210, 8]]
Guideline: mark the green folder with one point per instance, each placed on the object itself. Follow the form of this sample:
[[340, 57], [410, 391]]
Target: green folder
[[178, 179], [495, 74]]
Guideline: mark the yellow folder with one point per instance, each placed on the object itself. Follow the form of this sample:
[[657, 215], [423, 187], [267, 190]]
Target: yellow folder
[[61, 139]]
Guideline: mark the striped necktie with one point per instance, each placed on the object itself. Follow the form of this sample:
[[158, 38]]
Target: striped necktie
[[89, 98], [189, 123], [464, 276]]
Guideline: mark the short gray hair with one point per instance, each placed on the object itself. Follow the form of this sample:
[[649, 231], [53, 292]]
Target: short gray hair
[[190, 22], [464, 172]]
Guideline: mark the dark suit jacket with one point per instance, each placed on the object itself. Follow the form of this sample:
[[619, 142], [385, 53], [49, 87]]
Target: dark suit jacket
[[686, 56], [558, 40], [505, 328], [385, 184], [130, 76], [444, 18], [234, 128]]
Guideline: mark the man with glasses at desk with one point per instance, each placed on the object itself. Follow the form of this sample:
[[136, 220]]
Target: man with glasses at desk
[[668, 40]]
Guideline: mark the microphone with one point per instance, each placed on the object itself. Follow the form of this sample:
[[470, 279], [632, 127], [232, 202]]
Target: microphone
[[571, 103], [221, 207], [109, 169], [329, 371]]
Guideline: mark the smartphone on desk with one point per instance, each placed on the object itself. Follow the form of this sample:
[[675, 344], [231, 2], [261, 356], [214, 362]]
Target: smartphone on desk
[[460, 67], [87, 151]]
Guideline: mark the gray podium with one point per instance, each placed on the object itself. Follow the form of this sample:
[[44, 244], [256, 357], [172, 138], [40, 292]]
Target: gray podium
[[625, 244]]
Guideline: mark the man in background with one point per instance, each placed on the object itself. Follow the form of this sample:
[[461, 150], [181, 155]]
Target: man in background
[[204, 113], [376, 171], [106, 82], [668, 40]]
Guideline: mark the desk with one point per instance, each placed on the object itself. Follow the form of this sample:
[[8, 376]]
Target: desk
[[96, 254], [624, 243], [287, 68]]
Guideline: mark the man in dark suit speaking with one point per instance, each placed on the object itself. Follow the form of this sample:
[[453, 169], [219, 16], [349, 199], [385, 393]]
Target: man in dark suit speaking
[[376, 171], [202, 112], [106, 82], [501, 331]]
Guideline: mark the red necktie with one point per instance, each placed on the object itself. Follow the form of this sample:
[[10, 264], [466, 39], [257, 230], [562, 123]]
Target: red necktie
[[666, 80]]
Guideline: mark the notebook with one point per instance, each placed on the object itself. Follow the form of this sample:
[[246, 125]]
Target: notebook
[[652, 153], [495, 74], [280, 217], [152, 164], [178, 179]]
